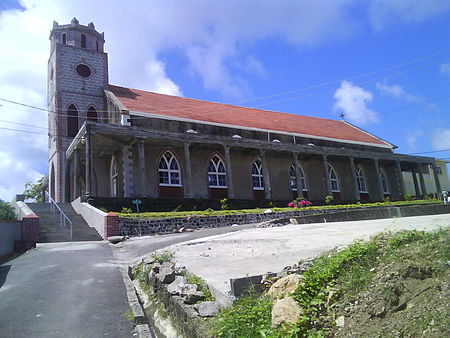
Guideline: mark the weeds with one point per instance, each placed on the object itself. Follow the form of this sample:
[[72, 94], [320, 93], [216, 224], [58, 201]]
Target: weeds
[[129, 315], [201, 285], [163, 257]]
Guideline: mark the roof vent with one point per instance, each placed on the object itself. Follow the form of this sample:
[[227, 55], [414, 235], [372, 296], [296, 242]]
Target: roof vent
[[191, 131], [236, 136], [276, 141]]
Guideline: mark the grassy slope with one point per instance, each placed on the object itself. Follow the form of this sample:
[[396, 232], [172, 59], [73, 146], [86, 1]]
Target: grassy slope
[[393, 285]]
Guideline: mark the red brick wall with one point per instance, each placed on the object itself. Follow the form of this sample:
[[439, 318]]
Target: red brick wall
[[111, 225], [30, 230]]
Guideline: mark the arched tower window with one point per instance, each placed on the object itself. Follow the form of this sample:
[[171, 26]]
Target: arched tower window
[[83, 41], [64, 39], [92, 114], [169, 170], [217, 177], [293, 179], [333, 179], [114, 178], [384, 182], [361, 180], [257, 175], [96, 46], [72, 121]]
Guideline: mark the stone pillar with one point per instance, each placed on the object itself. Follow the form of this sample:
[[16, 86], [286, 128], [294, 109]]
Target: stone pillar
[[326, 176], [229, 172], [356, 196], [142, 172], [88, 154], [379, 183], [111, 225], [265, 169], [298, 178], [127, 170], [416, 185], [188, 170], [422, 182], [75, 174], [30, 230], [401, 184], [436, 179]]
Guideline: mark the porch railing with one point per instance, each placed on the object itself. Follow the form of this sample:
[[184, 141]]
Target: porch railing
[[63, 219]]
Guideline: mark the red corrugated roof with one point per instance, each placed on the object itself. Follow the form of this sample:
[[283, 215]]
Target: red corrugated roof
[[204, 111]]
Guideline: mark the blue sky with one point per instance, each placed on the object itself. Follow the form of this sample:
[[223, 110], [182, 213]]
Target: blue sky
[[244, 52]]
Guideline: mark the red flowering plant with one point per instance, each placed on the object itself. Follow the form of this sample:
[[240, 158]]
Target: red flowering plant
[[299, 203]]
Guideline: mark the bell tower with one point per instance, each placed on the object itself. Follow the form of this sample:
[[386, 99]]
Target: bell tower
[[77, 77]]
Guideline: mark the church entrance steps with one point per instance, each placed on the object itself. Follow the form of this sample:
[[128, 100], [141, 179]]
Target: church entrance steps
[[50, 230]]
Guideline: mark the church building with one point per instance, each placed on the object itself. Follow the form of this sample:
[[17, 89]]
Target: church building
[[109, 141]]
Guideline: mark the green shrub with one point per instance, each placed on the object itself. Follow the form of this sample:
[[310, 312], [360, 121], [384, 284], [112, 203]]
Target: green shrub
[[224, 204], [408, 197], [329, 199], [126, 210], [6, 211]]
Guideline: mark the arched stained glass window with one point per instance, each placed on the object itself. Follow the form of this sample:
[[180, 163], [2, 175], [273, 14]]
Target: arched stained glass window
[[333, 179], [92, 114], [361, 180], [257, 175], [217, 177], [293, 179], [169, 170]]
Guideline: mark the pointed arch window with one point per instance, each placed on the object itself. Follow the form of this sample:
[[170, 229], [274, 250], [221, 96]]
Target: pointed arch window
[[72, 121], [333, 179], [83, 41], [257, 175], [217, 176], [64, 39], [361, 180], [92, 114], [169, 170], [384, 182], [114, 178], [96, 46], [293, 179]]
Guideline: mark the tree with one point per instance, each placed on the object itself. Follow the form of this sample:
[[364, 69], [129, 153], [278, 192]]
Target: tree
[[6, 211], [34, 190]]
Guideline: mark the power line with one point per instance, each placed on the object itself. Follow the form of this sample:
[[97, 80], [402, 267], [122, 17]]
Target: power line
[[23, 124], [429, 152]]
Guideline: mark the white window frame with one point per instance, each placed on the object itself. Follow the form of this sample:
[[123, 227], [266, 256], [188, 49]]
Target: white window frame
[[361, 180], [257, 164], [168, 170], [216, 173], [384, 182], [114, 177], [333, 177], [293, 178]]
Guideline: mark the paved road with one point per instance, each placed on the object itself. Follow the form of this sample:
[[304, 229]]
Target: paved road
[[64, 290]]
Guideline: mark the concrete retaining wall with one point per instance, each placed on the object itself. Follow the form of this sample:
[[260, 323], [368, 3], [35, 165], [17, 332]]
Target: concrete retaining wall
[[133, 227], [94, 217], [10, 231]]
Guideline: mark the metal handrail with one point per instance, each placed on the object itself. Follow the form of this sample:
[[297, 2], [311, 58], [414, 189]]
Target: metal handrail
[[62, 216]]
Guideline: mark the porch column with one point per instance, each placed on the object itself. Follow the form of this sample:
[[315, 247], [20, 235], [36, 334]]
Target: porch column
[[436, 179], [422, 182], [326, 177], [379, 183], [401, 184], [416, 185], [357, 196], [229, 172], [266, 176], [88, 155], [188, 170], [75, 174], [298, 178], [142, 172]]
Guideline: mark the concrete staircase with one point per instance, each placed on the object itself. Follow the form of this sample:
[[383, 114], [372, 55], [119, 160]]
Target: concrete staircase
[[50, 229]]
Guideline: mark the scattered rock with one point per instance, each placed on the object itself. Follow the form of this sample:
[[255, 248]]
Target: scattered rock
[[268, 211], [176, 287], [285, 310], [284, 286], [166, 273], [149, 259], [293, 221], [340, 321], [115, 239], [207, 309]]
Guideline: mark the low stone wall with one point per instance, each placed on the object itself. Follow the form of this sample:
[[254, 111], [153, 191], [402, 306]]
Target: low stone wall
[[133, 227]]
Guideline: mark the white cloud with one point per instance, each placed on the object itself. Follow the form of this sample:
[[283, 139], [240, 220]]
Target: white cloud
[[383, 13], [445, 68], [441, 139], [352, 101], [396, 91], [412, 136]]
